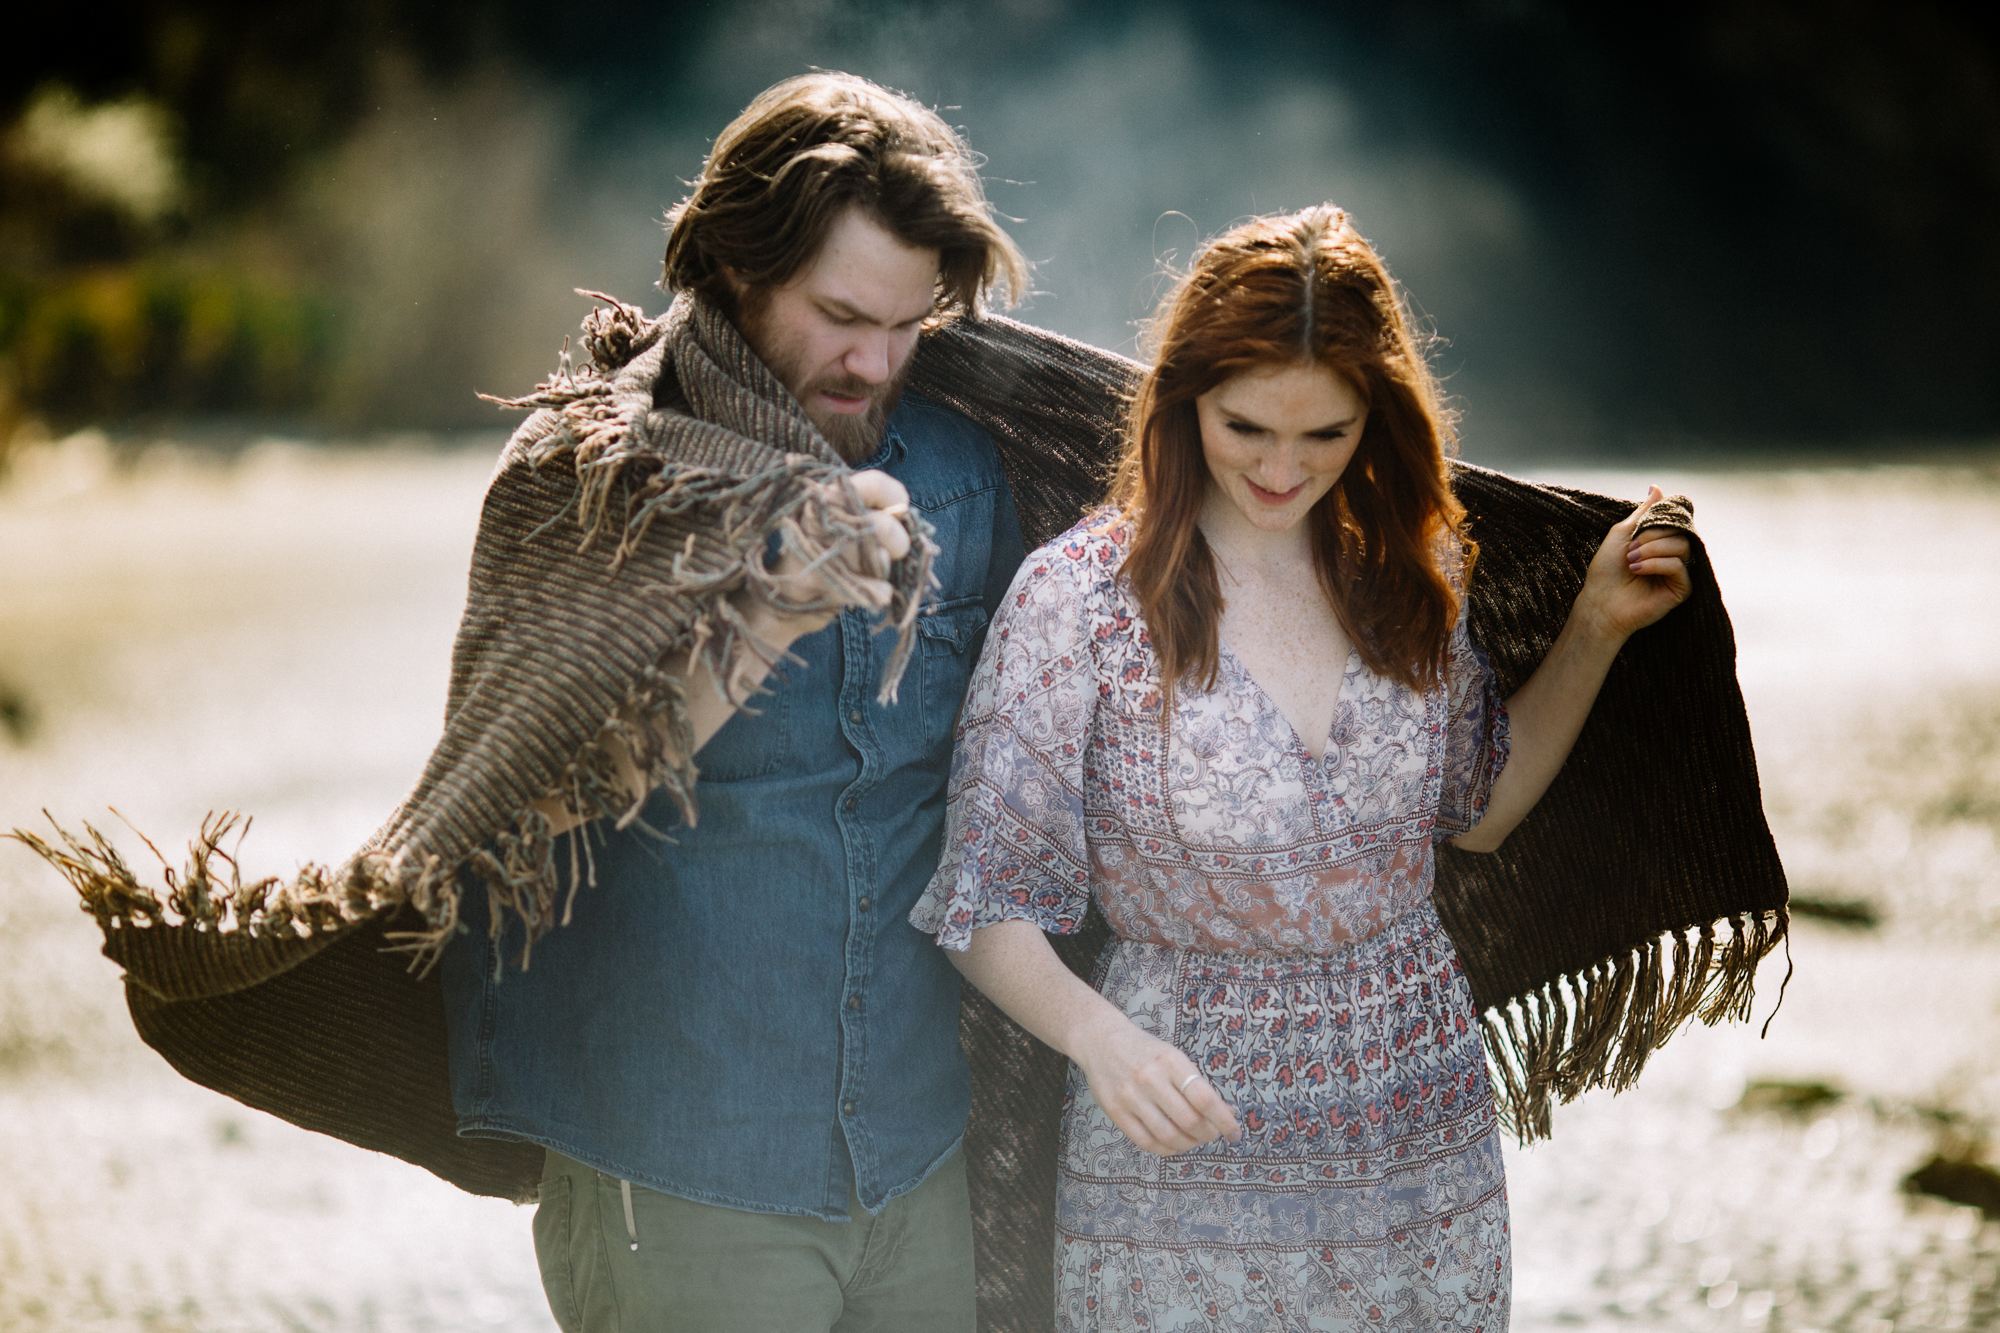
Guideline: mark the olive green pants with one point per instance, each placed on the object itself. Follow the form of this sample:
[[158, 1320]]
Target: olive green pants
[[697, 1267]]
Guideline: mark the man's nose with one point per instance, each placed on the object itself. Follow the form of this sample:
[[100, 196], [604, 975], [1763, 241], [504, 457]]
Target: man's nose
[[868, 357]]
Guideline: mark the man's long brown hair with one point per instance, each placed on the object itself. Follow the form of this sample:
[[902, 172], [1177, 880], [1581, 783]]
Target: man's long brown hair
[[804, 152], [1302, 288]]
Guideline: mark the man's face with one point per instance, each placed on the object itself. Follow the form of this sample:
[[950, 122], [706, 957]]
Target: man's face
[[839, 334]]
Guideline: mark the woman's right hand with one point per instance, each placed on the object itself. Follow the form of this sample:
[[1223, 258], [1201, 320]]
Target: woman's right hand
[[859, 580], [1151, 1091]]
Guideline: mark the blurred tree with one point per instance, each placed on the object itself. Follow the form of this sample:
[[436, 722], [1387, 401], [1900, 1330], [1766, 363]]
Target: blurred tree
[[1762, 217], [210, 297]]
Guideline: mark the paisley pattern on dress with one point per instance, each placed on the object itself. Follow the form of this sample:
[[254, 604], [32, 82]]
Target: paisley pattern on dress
[[1274, 922], [1368, 1190]]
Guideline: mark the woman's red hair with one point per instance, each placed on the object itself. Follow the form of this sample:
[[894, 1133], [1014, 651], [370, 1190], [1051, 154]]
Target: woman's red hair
[[1302, 288]]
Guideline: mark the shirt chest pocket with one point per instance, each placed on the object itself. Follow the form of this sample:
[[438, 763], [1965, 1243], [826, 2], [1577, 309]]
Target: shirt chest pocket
[[751, 744], [948, 643]]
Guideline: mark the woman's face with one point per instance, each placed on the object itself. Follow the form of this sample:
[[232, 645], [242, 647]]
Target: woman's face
[[1277, 437]]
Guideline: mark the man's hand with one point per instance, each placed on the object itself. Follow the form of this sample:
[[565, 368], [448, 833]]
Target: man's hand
[[855, 576]]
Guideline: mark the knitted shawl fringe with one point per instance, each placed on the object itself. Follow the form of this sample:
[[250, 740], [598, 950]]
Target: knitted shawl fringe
[[627, 456], [1596, 1028]]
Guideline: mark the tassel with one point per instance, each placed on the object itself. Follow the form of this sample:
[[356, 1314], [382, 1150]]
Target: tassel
[[1637, 1039], [1735, 979], [1673, 1008], [1519, 1026], [1510, 1098], [1557, 1036], [1548, 1045], [1700, 970], [1588, 1060], [1782, 925]]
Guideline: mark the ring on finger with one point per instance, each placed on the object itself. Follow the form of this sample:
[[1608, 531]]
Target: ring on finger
[[1189, 1079]]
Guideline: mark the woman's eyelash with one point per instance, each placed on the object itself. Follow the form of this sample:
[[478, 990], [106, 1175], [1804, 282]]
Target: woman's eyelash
[[1326, 436]]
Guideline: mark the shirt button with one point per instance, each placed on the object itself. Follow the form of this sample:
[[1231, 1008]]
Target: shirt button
[[854, 1002], [847, 1108], [863, 904], [854, 715]]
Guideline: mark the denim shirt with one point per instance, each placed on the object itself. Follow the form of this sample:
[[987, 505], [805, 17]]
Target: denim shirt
[[744, 1016]]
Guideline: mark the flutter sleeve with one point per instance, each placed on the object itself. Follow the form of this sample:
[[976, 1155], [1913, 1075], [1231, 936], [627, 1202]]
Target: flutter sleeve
[[1014, 840], [1475, 736]]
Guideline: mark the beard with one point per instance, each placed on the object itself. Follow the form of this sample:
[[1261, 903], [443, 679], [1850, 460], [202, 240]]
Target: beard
[[854, 435]]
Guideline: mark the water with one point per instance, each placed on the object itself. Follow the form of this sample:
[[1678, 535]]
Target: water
[[272, 635]]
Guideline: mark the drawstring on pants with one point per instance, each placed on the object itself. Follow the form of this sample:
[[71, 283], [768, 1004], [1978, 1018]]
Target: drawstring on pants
[[631, 1227]]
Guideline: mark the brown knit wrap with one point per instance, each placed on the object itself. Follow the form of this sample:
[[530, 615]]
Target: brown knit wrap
[[641, 491], [1589, 938]]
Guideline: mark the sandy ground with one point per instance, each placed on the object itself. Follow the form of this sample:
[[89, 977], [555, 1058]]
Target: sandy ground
[[272, 635]]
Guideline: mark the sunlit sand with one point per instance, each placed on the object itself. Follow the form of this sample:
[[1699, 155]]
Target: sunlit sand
[[271, 635]]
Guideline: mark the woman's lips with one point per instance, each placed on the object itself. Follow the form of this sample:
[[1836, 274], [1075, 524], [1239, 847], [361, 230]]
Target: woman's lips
[[1273, 497]]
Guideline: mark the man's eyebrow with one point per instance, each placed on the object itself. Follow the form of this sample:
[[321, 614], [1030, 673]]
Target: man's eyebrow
[[847, 310], [835, 305]]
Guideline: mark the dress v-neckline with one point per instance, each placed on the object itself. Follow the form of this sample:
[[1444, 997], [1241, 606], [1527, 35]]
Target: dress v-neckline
[[1346, 674]]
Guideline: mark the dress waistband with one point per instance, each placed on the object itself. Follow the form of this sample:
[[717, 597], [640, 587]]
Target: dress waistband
[[1414, 929]]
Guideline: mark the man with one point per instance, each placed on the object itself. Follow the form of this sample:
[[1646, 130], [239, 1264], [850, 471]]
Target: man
[[681, 1003], [741, 1058]]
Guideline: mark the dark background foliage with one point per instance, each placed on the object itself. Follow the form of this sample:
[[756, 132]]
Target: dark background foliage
[[1765, 222]]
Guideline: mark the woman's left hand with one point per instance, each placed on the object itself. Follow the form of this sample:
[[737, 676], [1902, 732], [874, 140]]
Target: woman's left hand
[[1636, 577]]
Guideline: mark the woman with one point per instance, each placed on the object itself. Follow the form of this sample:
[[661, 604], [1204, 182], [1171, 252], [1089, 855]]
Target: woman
[[1238, 707]]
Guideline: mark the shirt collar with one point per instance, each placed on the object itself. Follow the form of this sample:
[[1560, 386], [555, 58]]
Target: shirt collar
[[892, 449]]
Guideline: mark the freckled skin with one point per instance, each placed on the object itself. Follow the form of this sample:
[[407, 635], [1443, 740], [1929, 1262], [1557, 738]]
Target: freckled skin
[[1276, 439]]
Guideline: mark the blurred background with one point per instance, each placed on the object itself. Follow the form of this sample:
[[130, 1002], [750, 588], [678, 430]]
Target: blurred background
[[1737, 221], [257, 261]]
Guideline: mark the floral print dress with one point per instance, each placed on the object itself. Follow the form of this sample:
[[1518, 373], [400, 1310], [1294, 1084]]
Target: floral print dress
[[1273, 921]]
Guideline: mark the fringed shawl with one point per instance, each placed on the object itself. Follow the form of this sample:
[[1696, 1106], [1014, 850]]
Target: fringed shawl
[[1641, 892]]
